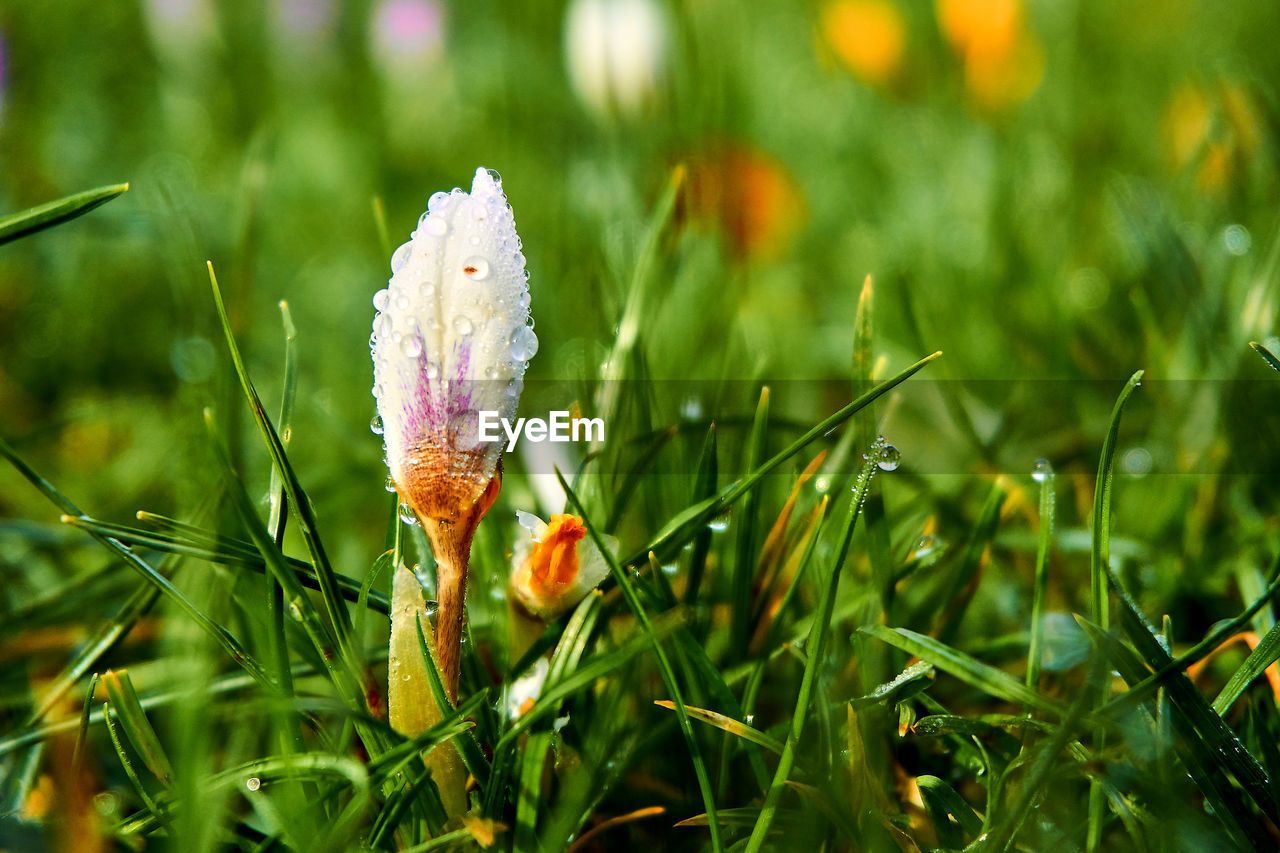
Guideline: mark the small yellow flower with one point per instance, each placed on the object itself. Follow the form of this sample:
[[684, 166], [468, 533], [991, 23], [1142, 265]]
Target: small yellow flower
[[868, 36], [556, 566]]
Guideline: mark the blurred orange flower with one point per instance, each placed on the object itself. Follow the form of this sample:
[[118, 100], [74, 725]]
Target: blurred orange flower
[[1003, 61], [555, 568], [747, 194], [868, 37]]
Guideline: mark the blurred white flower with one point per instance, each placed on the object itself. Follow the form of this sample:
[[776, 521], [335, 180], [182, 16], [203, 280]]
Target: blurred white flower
[[524, 691], [450, 339], [616, 51], [557, 565], [301, 27], [180, 28]]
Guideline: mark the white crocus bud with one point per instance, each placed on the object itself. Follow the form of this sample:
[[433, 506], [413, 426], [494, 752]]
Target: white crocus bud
[[451, 339], [616, 52]]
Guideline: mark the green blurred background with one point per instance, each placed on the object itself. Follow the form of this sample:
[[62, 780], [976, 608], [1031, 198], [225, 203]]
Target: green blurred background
[[1046, 191], [1054, 193]]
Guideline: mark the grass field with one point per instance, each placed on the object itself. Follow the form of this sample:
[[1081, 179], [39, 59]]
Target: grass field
[[1020, 595]]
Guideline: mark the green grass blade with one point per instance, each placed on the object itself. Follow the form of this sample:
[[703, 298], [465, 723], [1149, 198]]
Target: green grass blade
[[288, 395], [127, 764], [814, 648], [968, 669], [1267, 355], [101, 644], [1204, 767], [215, 548], [1224, 748], [532, 765], [1263, 655], [941, 800], [1099, 563], [1100, 548], [610, 398], [1040, 587], [685, 525], [136, 726], [905, 684], [337, 612], [83, 731], [664, 664], [959, 590], [53, 213], [1225, 630], [744, 563], [726, 724], [343, 672], [468, 749], [704, 487]]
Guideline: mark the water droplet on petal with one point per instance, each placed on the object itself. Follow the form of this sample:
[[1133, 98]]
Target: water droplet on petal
[[375, 425], [437, 201], [1041, 470], [432, 370], [389, 485], [514, 387], [407, 516], [476, 268], [411, 347], [253, 783], [524, 343], [380, 299], [431, 608], [433, 226], [462, 325], [400, 256]]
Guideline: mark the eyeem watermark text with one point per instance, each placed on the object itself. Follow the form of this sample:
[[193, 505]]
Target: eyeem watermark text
[[561, 426]]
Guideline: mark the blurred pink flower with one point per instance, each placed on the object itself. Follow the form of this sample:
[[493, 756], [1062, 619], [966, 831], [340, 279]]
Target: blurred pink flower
[[408, 30]]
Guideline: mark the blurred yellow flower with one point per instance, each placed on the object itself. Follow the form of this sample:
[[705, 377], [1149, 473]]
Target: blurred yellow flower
[[1003, 61], [868, 37], [998, 80], [1215, 131], [980, 26]]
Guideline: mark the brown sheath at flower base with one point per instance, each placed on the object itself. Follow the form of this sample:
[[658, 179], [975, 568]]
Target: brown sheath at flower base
[[451, 546]]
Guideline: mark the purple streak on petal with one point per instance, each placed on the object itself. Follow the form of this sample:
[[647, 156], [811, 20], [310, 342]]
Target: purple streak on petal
[[431, 407]]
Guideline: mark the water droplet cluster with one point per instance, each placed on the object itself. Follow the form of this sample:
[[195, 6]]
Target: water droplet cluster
[[885, 455], [451, 332]]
